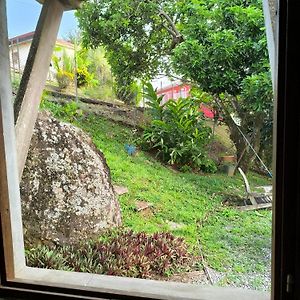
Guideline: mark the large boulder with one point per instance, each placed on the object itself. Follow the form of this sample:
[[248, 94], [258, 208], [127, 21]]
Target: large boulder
[[66, 189]]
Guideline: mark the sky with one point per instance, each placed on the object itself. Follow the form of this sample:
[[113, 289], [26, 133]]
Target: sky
[[22, 17]]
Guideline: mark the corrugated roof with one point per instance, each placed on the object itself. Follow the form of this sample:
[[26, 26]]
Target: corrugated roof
[[22, 38], [27, 37]]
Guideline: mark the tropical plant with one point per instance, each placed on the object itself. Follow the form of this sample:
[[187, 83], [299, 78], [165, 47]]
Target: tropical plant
[[64, 67], [225, 54], [83, 76], [216, 44], [119, 253], [95, 79], [177, 132]]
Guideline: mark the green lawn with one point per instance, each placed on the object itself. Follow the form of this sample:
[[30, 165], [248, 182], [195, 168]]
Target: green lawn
[[235, 244]]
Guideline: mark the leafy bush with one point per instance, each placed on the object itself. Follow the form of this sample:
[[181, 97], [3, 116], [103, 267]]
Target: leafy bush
[[119, 253], [64, 79], [177, 132], [69, 111], [64, 67], [15, 84], [84, 77]]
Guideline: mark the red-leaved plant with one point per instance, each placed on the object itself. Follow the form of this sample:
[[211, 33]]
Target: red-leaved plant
[[119, 253]]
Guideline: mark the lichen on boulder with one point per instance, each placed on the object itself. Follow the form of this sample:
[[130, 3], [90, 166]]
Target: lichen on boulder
[[66, 189]]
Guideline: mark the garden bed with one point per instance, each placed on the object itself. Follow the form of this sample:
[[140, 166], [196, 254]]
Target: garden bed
[[235, 245]]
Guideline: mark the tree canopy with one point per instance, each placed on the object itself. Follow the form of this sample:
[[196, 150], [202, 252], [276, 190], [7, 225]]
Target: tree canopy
[[225, 53], [220, 45], [138, 35], [224, 42]]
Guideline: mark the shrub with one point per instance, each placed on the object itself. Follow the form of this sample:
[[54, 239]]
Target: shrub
[[69, 111], [119, 253], [84, 77], [15, 84], [64, 67], [64, 79], [177, 132]]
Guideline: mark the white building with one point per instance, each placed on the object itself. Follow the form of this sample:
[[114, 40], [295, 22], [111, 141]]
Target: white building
[[19, 47]]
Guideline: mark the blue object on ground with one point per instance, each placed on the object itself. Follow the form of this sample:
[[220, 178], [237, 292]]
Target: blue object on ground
[[130, 149]]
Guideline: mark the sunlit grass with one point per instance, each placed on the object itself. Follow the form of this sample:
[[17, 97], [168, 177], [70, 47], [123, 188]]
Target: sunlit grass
[[233, 242]]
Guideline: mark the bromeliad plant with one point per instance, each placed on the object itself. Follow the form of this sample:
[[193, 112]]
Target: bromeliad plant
[[177, 132], [119, 253], [64, 67]]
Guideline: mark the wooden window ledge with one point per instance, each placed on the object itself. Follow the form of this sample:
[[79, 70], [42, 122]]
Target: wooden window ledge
[[132, 286]]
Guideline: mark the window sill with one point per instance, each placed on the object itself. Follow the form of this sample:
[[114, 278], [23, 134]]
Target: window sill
[[132, 286]]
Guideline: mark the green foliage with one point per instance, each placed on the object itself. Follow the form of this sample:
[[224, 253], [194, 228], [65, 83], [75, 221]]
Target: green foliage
[[124, 90], [257, 100], [99, 65], [64, 67], [187, 199], [62, 61], [94, 76], [177, 132], [225, 53], [102, 92], [15, 84], [224, 43], [256, 87], [44, 257], [84, 77], [64, 79], [70, 111], [135, 36], [131, 92], [216, 44], [118, 253], [155, 102]]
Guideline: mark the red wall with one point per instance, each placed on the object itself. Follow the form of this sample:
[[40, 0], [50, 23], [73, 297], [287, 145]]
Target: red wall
[[182, 91], [174, 92]]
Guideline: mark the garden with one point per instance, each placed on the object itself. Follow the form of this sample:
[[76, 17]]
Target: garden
[[188, 223], [179, 215]]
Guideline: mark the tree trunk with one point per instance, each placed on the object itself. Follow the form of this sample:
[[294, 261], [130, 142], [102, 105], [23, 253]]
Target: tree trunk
[[245, 155]]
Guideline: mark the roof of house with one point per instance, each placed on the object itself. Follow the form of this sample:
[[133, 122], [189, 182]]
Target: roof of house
[[64, 43], [171, 86], [27, 37], [22, 38]]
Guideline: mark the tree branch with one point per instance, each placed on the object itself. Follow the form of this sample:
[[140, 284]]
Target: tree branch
[[176, 35], [170, 31], [167, 17]]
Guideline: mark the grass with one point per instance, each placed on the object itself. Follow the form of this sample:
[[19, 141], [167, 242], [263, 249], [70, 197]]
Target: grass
[[235, 244], [222, 135]]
